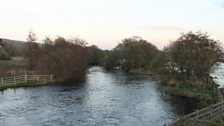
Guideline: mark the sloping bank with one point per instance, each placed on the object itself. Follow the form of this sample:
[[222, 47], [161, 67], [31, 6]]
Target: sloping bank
[[206, 94], [197, 90]]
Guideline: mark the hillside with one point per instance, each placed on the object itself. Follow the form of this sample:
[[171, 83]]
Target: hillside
[[12, 47], [8, 41]]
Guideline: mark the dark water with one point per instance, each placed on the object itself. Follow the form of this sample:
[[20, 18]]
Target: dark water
[[105, 99]]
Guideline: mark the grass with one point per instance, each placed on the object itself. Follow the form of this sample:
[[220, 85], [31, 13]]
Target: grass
[[17, 64], [144, 70], [28, 84], [219, 121], [14, 61], [205, 94]]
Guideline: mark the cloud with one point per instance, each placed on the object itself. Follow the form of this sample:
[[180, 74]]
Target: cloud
[[163, 28]]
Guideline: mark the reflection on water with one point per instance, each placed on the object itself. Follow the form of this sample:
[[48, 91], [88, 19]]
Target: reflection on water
[[104, 99]]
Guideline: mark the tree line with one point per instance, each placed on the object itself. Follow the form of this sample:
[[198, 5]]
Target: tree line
[[192, 57], [184, 66]]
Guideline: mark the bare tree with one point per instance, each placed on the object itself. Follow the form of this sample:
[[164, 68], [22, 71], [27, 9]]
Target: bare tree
[[64, 58], [195, 54], [32, 50]]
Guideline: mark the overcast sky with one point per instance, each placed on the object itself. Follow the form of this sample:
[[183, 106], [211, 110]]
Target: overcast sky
[[106, 22]]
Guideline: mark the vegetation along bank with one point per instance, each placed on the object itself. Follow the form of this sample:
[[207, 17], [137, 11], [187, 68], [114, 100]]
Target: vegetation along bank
[[184, 66]]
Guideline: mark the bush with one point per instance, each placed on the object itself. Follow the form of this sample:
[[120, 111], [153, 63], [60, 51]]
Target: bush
[[4, 55], [132, 53], [66, 59]]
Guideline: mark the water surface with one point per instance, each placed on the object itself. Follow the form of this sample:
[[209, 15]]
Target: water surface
[[104, 99]]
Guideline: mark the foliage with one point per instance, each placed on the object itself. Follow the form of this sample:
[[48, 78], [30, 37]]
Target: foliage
[[204, 93], [66, 59], [132, 53], [4, 55], [185, 66], [111, 60], [194, 54], [14, 66], [190, 57], [33, 51], [95, 55], [159, 64], [136, 53]]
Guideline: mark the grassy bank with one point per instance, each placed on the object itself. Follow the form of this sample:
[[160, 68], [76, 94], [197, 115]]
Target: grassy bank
[[217, 122], [206, 95], [28, 84], [141, 71], [16, 65]]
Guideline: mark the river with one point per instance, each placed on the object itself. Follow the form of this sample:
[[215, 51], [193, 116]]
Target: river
[[104, 99]]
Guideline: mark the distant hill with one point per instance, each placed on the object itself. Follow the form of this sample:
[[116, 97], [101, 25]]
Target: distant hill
[[12, 47], [8, 41]]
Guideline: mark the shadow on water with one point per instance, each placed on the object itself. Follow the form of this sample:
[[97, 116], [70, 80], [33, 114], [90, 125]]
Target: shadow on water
[[184, 105]]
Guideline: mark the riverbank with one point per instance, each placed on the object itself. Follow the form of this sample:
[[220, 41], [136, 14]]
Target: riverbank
[[25, 81], [204, 94], [217, 122], [141, 71], [208, 116], [28, 84]]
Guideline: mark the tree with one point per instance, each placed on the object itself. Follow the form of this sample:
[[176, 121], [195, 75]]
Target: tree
[[159, 64], [78, 41], [47, 41], [111, 59], [66, 59], [32, 50], [194, 55], [136, 53], [95, 55]]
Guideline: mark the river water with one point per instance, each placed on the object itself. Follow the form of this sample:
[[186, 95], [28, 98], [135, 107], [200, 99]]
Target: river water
[[104, 99]]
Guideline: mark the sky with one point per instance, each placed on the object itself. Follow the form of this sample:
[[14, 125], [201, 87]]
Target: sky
[[106, 22]]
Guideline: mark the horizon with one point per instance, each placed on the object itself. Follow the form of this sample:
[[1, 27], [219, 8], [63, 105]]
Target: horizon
[[105, 23]]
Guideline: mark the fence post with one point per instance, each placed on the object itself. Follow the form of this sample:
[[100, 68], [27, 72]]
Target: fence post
[[211, 113], [14, 81], [25, 78], [1, 82], [222, 108], [196, 114], [37, 77], [51, 78]]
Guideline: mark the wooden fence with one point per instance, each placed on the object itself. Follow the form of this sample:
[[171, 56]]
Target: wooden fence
[[205, 114], [6, 81], [220, 96]]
